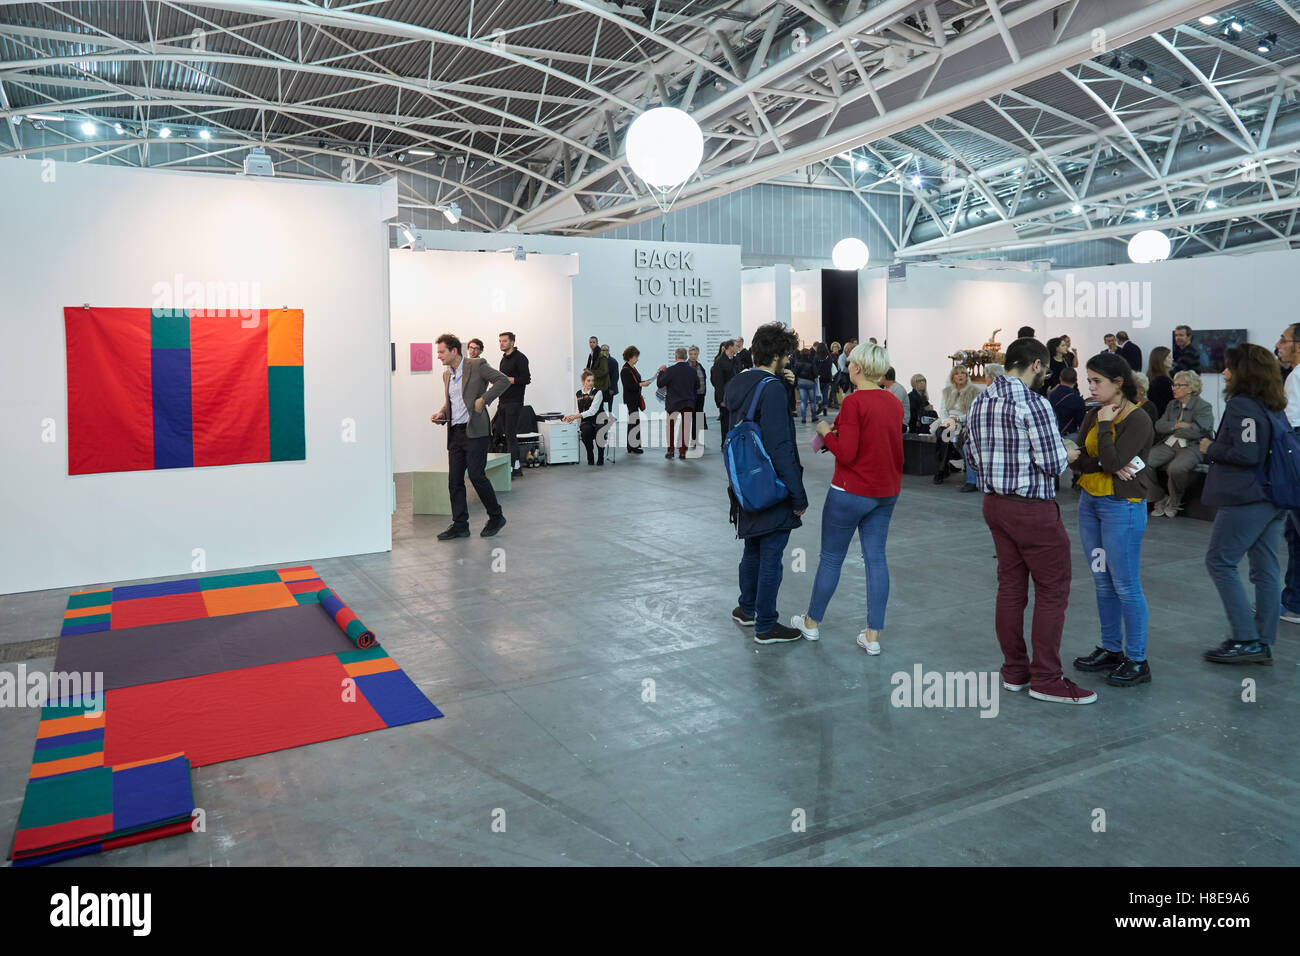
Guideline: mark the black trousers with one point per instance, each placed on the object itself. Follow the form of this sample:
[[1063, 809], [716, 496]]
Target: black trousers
[[509, 413], [468, 454], [633, 427]]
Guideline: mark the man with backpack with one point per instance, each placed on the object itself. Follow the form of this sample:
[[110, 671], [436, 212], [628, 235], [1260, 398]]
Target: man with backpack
[[765, 480]]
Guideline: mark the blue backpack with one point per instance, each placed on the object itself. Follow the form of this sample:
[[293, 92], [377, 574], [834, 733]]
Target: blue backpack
[[750, 471], [1279, 471]]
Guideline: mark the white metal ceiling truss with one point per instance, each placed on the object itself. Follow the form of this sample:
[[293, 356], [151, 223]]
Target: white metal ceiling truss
[[525, 104]]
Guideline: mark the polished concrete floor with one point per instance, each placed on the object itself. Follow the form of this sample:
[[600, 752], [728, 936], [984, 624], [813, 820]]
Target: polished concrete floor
[[746, 754]]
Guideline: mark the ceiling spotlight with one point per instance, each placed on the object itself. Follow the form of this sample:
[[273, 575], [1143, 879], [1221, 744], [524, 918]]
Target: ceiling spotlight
[[862, 165], [164, 132], [1266, 44], [1203, 148], [257, 163], [1209, 20], [407, 231], [917, 182], [117, 128], [401, 157], [1076, 209], [1115, 63], [1139, 214], [38, 124], [1148, 77], [1211, 204], [1114, 174], [88, 128], [205, 134], [450, 212], [1235, 25]]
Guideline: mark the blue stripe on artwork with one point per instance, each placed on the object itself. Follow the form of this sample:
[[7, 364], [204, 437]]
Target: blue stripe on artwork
[[395, 698], [131, 591], [173, 421], [70, 629], [77, 737]]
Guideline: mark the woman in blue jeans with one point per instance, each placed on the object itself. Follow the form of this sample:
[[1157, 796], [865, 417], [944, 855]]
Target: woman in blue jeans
[[1247, 522], [867, 442], [1115, 484]]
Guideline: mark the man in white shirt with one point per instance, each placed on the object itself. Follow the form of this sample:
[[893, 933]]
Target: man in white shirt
[[1288, 353]]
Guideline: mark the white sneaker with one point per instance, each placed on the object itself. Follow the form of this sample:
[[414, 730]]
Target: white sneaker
[[811, 633], [1291, 617], [871, 647]]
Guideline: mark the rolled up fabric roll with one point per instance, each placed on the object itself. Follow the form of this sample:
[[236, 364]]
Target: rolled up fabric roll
[[348, 622]]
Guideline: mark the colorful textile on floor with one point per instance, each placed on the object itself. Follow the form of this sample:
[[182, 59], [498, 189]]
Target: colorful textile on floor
[[136, 605], [348, 622], [82, 811], [183, 388]]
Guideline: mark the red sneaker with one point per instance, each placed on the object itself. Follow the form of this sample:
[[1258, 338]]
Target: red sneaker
[[1062, 691], [1014, 682]]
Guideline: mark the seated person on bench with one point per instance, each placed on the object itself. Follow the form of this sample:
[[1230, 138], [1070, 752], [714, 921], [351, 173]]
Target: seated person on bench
[[1187, 419]]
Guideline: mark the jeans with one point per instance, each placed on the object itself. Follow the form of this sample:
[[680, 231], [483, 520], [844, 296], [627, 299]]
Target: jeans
[[468, 454], [1110, 530], [972, 476], [761, 568], [842, 514], [1045, 554], [1254, 529], [1291, 593], [807, 396]]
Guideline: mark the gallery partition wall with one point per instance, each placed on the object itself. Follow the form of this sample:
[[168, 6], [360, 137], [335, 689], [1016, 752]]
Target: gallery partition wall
[[170, 246]]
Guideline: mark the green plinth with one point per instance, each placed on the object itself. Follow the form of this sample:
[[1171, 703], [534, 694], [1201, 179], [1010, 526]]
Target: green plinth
[[429, 494]]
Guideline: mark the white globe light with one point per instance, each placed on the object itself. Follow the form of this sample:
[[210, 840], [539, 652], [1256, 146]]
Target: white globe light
[[1149, 245], [850, 254], [664, 146]]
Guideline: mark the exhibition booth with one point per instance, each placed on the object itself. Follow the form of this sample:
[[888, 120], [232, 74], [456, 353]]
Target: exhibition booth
[[93, 505]]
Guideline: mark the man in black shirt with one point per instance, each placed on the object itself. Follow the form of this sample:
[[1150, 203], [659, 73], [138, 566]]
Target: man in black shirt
[[1185, 358], [514, 365]]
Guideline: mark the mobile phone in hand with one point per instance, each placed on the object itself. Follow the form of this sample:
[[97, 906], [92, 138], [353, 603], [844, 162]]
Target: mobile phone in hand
[[1137, 464]]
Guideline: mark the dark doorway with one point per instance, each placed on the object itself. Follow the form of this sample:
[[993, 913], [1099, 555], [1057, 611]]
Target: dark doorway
[[839, 305]]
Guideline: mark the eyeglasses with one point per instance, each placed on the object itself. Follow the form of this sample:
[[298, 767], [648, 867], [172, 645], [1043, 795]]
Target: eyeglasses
[[1181, 385]]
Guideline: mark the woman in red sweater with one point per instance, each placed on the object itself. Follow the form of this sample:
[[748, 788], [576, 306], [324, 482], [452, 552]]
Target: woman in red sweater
[[867, 442]]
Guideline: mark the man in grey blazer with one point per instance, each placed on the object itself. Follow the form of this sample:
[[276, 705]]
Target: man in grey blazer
[[470, 385]]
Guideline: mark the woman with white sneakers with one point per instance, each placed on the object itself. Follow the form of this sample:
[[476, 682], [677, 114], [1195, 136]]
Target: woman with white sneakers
[[867, 442]]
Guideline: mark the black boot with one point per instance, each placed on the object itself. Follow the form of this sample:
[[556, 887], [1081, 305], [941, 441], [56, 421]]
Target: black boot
[[1129, 673], [1234, 652], [1099, 660]]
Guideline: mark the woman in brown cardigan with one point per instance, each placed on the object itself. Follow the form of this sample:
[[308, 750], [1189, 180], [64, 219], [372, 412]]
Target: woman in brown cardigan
[[1115, 484]]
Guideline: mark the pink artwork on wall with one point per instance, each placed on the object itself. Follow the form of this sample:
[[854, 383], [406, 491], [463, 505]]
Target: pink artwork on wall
[[421, 356]]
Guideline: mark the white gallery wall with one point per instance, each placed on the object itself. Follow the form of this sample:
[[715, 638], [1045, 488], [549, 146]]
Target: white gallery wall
[[764, 297], [475, 295], [872, 304], [806, 306], [698, 301], [74, 234], [936, 310]]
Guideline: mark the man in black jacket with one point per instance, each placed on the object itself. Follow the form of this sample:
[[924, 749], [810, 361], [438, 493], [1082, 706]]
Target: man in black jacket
[[514, 365], [682, 384], [1067, 403], [723, 371], [766, 532], [741, 357], [1130, 350]]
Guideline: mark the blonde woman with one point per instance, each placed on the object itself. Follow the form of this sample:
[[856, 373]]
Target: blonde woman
[[867, 442], [958, 395]]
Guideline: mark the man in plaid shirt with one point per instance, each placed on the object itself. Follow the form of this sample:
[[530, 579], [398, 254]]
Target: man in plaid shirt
[[1014, 444]]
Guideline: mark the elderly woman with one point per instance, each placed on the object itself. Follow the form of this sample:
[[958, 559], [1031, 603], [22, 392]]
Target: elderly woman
[[1143, 399], [958, 395], [1187, 419]]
